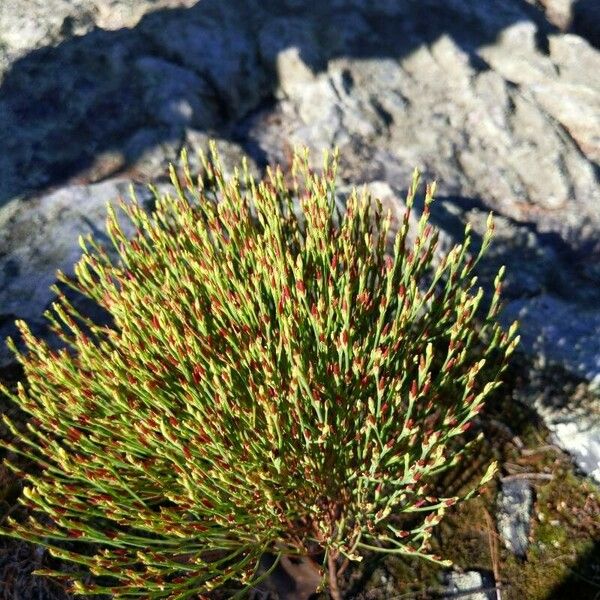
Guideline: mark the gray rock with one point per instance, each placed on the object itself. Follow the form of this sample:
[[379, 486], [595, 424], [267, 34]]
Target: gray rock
[[558, 12], [486, 112], [580, 437], [469, 585], [53, 127], [570, 409], [151, 150], [579, 16], [280, 41], [40, 236], [559, 332], [497, 134], [515, 503], [230, 154], [36, 23], [175, 96], [116, 14], [214, 40]]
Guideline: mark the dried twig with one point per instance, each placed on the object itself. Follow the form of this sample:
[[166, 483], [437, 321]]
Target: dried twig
[[514, 438], [334, 590], [343, 568], [493, 543], [539, 449], [542, 476]]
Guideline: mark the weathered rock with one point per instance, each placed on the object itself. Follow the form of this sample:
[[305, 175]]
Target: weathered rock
[[579, 16], [116, 14], [30, 25], [469, 585], [580, 437], [216, 41], [558, 12], [54, 126], [175, 96], [231, 155], [496, 134], [39, 237], [280, 44], [570, 409], [486, 112], [515, 503], [560, 332], [151, 149]]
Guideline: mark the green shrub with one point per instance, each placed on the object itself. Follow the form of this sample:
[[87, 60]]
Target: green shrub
[[273, 381]]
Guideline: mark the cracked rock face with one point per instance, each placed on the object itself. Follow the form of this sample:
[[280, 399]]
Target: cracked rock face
[[499, 100]]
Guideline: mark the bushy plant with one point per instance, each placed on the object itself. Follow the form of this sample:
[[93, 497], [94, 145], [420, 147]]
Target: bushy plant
[[273, 380]]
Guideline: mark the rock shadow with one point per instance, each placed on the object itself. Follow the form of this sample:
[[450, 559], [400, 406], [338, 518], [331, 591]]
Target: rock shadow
[[585, 20], [583, 580]]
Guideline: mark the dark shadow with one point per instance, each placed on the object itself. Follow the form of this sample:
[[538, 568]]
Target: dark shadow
[[585, 20], [583, 580], [93, 105]]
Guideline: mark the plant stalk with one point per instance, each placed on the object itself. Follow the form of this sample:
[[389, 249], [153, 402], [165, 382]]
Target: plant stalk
[[334, 590]]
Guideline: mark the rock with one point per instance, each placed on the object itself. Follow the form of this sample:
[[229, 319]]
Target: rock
[[574, 100], [151, 149], [586, 20], [578, 16], [559, 332], [475, 131], [580, 437], [40, 236], [26, 26], [214, 40], [576, 60], [175, 96], [483, 110], [558, 12], [515, 504], [86, 103], [288, 45], [116, 14], [570, 408], [230, 154], [469, 585]]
